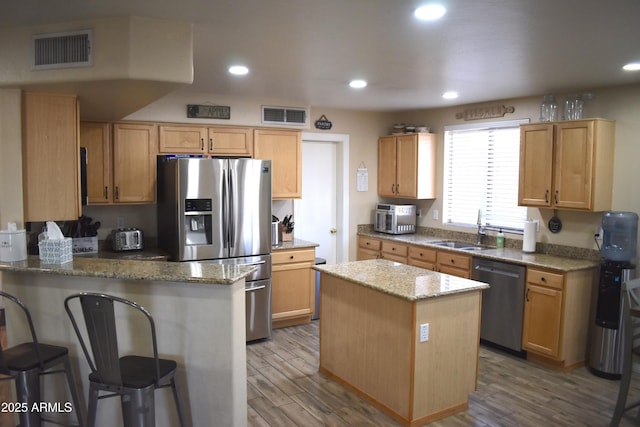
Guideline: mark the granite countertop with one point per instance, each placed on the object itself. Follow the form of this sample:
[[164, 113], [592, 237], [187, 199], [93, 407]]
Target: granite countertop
[[127, 269], [547, 261], [401, 280], [293, 244]]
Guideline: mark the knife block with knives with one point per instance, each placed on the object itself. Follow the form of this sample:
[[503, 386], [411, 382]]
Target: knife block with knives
[[285, 229]]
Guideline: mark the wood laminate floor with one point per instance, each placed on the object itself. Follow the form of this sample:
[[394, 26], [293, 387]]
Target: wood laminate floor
[[284, 388]]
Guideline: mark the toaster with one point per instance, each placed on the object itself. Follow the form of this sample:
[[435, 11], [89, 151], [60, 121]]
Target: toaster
[[126, 239]]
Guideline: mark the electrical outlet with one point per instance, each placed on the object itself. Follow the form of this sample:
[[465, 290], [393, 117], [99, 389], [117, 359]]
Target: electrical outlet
[[419, 212], [424, 332], [598, 232], [436, 214], [120, 222]]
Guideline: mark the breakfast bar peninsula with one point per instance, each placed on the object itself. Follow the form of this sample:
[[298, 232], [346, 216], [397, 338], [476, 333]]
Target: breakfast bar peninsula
[[199, 313], [405, 338]]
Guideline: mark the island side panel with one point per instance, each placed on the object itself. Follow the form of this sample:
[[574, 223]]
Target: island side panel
[[200, 326], [365, 342], [446, 365]]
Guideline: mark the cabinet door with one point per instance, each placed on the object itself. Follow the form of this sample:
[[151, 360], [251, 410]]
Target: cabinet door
[[96, 138], [181, 139], [284, 149], [292, 291], [364, 254], [573, 165], [135, 147], [51, 157], [387, 166], [542, 320], [230, 141], [536, 165], [407, 166]]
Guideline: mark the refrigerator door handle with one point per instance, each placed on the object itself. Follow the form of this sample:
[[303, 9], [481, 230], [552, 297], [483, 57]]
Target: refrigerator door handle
[[230, 216], [225, 210]]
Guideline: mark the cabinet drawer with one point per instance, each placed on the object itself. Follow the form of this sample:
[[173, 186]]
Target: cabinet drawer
[[422, 264], [368, 243], [395, 249], [301, 255], [545, 278], [422, 254], [454, 260]]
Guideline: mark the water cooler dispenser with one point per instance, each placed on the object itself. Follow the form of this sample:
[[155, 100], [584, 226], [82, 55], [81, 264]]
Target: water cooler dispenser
[[620, 230]]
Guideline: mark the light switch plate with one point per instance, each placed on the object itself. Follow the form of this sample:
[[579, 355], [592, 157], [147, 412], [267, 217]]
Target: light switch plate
[[424, 332]]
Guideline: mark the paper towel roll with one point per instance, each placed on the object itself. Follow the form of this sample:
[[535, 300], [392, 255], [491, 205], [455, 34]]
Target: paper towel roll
[[529, 238]]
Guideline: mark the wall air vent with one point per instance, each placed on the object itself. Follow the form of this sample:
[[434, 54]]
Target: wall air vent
[[62, 50], [284, 115]]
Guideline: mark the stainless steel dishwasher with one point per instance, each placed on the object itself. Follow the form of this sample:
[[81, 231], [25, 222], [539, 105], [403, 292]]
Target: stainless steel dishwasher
[[502, 303]]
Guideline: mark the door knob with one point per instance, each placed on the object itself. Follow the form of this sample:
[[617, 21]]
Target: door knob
[[333, 230]]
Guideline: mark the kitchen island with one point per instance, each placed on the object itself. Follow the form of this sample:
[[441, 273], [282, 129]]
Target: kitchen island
[[372, 316], [199, 312]]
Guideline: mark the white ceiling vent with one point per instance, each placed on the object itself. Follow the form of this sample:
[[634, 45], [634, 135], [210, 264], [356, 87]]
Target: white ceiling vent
[[62, 50], [284, 115]]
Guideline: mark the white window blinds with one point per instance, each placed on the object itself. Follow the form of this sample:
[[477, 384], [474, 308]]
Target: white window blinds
[[481, 164]]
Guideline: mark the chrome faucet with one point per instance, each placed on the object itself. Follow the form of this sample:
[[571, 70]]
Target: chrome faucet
[[481, 235]]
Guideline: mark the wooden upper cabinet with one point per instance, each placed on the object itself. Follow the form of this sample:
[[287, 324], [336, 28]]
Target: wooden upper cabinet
[[567, 165], [96, 138], [407, 166], [51, 157], [387, 166], [536, 165], [224, 141], [182, 139], [135, 147], [284, 149], [214, 140]]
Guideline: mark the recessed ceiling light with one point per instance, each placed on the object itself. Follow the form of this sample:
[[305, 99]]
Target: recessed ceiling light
[[238, 70], [450, 95], [358, 84], [430, 12], [632, 66]]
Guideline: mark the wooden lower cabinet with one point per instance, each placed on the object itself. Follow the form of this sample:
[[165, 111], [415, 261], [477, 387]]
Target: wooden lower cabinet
[[454, 264], [292, 287], [422, 257], [394, 251], [557, 316], [368, 248]]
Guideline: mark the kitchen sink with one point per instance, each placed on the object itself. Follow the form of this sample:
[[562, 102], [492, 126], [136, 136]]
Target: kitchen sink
[[455, 244]]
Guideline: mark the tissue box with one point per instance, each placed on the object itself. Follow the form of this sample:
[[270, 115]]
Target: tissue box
[[85, 245], [56, 251], [13, 245]]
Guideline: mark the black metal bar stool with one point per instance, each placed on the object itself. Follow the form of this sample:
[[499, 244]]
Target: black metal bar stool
[[630, 311], [133, 378], [25, 363]]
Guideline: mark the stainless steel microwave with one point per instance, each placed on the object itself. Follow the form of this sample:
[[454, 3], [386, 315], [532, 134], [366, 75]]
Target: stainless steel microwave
[[395, 219]]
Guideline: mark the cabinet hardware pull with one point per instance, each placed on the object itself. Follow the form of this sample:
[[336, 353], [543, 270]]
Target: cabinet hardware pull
[[527, 295], [291, 257], [393, 188], [421, 254], [453, 261], [556, 197], [210, 144], [546, 196], [397, 188], [106, 192], [543, 280], [393, 249], [202, 144], [117, 193]]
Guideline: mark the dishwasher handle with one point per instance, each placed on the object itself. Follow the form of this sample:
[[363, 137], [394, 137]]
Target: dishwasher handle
[[497, 271]]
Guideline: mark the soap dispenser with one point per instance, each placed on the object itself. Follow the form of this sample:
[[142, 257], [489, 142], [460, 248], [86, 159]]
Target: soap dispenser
[[500, 239]]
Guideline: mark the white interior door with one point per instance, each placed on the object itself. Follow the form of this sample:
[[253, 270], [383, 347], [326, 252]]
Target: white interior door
[[320, 215]]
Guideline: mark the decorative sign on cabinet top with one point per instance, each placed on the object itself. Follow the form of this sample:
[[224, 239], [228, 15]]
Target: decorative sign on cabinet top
[[484, 112]]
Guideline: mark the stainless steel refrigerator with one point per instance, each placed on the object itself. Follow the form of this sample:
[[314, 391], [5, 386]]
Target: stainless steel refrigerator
[[219, 211]]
